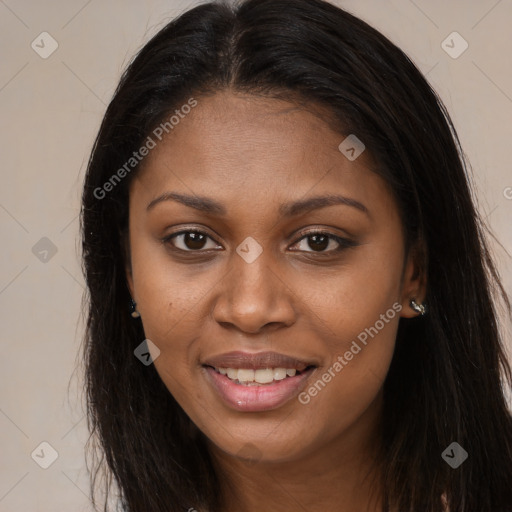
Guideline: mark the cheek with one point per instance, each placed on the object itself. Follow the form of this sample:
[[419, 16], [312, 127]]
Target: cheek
[[169, 294], [356, 313], [346, 301], [169, 300], [342, 393]]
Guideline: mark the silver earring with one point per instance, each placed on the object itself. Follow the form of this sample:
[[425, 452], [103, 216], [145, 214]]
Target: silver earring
[[133, 310], [419, 308]]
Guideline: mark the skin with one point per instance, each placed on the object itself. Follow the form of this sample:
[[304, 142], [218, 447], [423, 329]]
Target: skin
[[251, 154]]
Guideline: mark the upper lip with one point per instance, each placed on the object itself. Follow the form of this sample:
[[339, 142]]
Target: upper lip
[[257, 361]]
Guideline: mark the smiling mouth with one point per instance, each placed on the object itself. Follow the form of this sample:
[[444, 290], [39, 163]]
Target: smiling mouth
[[260, 376]]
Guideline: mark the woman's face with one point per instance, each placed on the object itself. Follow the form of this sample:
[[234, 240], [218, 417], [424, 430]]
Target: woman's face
[[311, 317]]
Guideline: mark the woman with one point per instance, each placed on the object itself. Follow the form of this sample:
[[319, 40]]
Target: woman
[[278, 198]]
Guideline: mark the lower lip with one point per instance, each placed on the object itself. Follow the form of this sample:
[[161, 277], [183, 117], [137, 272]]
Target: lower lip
[[257, 398]]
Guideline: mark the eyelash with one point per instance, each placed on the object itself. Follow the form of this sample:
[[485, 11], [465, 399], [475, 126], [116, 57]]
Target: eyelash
[[344, 243]]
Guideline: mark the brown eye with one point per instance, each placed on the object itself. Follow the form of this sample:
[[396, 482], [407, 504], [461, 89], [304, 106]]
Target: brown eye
[[190, 241], [319, 241]]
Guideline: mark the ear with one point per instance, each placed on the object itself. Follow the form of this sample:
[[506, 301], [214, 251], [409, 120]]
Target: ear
[[125, 249], [414, 279]]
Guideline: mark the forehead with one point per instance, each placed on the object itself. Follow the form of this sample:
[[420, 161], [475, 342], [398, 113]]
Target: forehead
[[241, 147]]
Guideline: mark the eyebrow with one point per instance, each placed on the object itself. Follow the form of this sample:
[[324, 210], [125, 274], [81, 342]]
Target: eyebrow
[[289, 209]]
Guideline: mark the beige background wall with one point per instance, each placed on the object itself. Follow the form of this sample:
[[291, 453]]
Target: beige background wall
[[51, 109]]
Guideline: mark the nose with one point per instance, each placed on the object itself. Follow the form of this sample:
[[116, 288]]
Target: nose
[[253, 297]]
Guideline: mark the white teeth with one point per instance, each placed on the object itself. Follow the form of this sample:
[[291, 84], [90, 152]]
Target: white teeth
[[279, 373], [246, 375], [262, 376], [254, 377]]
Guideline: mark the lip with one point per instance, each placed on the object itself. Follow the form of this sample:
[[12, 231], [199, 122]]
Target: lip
[[261, 397], [258, 360], [256, 398]]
